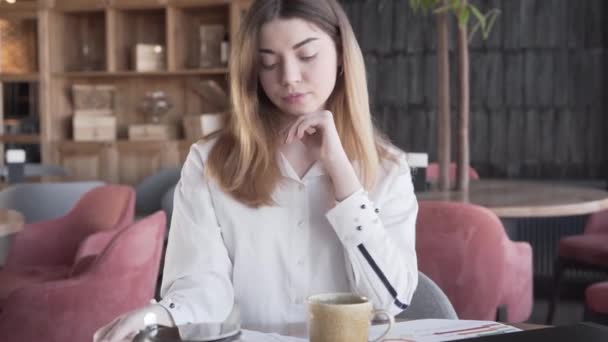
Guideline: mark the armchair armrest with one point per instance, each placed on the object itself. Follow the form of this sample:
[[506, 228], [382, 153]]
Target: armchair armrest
[[518, 284]]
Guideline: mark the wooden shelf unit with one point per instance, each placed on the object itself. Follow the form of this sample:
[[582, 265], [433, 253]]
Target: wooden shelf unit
[[29, 77], [20, 138], [91, 42], [19, 66], [124, 74]]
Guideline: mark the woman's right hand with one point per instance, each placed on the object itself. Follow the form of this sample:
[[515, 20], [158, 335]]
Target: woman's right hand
[[127, 326]]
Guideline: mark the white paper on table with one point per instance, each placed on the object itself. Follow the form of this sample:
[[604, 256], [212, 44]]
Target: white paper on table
[[436, 330], [256, 336]]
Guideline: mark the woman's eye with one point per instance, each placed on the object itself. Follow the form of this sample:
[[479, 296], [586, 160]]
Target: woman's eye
[[268, 66], [308, 58]]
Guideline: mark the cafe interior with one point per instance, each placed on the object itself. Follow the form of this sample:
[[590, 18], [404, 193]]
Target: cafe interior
[[499, 108]]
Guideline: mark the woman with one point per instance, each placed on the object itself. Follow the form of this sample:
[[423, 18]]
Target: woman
[[298, 195]]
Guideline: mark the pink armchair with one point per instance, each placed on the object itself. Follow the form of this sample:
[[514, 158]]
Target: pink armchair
[[47, 250], [596, 303], [432, 173], [120, 279], [587, 251], [465, 250]]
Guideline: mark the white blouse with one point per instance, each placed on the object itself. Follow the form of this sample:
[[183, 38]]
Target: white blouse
[[270, 259]]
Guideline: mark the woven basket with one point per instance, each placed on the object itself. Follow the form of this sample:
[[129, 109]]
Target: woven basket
[[18, 46]]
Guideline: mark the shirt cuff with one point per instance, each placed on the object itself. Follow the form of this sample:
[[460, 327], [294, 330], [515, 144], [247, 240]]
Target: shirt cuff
[[355, 219], [179, 313]]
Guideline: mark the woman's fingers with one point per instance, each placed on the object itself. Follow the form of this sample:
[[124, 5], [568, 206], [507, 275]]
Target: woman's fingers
[[292, 129], [306, 124], [100, 335], [124, 330]]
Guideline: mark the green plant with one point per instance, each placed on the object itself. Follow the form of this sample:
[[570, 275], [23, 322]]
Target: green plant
[[463, 11]]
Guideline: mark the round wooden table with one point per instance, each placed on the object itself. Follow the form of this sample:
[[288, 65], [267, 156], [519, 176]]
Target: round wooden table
[[518, 199], [11, 221]]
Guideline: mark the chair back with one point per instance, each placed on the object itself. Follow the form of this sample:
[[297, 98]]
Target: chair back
[[44, 201], [460, 246], [150, 191], [597, 223], [105, 207], [131, 261], [429, 301], [57, 241], [432, 173], [167, 202]]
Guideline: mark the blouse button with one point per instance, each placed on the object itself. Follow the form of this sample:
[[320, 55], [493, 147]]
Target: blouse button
[[172, 305], [362, 206], [377, 210], [359, 228]]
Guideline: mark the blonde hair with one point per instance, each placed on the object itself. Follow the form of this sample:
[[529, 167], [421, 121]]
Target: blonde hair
[[243, 160]]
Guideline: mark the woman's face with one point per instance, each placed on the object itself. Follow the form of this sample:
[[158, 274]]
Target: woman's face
[[299, 64]]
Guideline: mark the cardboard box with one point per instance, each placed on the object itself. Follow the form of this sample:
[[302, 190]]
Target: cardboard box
[[152, 132], [93, 99], [148, 57], [199, 126], [94, 128]]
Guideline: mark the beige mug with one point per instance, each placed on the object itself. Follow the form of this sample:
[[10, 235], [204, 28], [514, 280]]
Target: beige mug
[[342, 317]]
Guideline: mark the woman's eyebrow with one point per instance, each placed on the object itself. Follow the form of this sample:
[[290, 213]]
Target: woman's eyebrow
[[297, 46]]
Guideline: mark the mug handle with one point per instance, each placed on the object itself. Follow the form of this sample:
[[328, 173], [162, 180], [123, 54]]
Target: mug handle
[[391, 321]]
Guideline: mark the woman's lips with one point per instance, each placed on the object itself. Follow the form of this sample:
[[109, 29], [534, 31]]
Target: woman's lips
[[294, 98]]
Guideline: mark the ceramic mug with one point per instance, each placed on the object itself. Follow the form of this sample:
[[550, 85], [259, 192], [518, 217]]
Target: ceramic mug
[[342, 317]]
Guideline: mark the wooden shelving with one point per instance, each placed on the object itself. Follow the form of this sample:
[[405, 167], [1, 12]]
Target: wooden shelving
[[92, 42], [30, 77], [20, 138], [123, 74]]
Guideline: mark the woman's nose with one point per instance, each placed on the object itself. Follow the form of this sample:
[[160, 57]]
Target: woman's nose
[[291, 73]]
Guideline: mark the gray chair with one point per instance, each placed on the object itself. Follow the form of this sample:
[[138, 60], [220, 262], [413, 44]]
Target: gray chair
[[44, 201], [429, 301], [167, 202], [150, 192], [37, 170]]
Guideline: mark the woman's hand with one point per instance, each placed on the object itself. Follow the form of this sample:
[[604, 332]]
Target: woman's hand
[[127, 326], [319, 134]]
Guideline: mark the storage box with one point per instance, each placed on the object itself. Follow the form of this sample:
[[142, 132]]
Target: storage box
[[19, 41], [199, 126], [152, 132], [94, 128], [93, 99], [148, 57]]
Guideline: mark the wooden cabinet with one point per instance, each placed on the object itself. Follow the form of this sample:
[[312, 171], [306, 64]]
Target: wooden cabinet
[[140, 159], [88, 161], [80, 5], [91, 42], [120, 162]]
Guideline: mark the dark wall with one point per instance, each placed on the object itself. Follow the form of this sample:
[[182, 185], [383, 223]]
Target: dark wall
[[537, 84]]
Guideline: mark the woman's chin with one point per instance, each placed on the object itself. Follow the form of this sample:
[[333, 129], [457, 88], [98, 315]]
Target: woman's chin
[[298, 111]]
